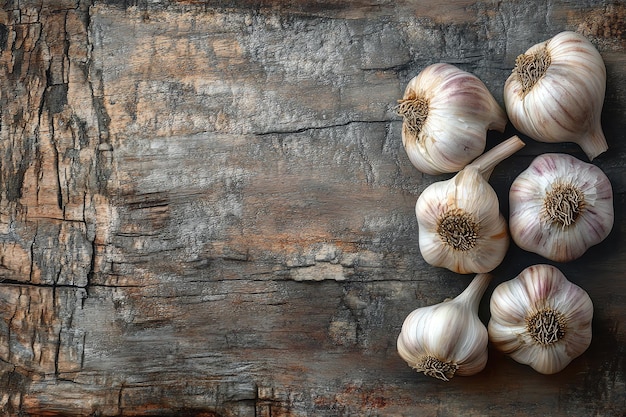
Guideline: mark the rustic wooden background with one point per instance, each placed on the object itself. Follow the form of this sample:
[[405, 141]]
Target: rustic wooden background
[[206, 210]]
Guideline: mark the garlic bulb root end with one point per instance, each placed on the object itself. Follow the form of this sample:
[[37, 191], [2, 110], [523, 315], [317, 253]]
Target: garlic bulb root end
[[436, 368], [414, 109], [531, 67], [546, 326]]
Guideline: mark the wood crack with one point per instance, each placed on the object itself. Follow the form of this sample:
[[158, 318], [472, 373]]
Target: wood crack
[[314, 128], [53, 285]]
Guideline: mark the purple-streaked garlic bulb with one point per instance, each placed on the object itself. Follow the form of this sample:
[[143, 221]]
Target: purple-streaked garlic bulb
[[556, 92], [560, 206], [447, 112], [541, 319]]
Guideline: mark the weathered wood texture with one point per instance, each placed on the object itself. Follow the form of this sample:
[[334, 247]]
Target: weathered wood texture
[[205, 208]]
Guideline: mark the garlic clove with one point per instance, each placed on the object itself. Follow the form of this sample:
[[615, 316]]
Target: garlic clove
[[549, 360], [460, 224], [556, 92], [560, 206], [446, 114], [447, 339], [541, 319]]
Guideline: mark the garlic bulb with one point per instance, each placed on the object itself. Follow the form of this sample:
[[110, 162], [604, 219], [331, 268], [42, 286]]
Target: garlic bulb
[[560, 206], [460, 224], [556, 91], [447, 113], [541, 319], [447, 339]]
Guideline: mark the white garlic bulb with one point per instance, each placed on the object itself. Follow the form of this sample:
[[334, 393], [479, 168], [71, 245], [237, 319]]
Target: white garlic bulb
[[447, 112], [460, 224], [541, 319], [447, 339], [556, 92], [560, 206]]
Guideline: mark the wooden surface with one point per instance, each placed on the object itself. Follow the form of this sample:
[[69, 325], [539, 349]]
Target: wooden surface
[[206, 210]]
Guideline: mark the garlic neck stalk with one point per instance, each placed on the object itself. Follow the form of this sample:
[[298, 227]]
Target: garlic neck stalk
[[488, 161], [471, 296]]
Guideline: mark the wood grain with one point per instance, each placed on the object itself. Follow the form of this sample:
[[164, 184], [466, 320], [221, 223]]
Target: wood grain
[[205, 208]]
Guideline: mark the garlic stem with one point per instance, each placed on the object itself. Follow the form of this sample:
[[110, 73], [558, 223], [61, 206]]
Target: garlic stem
[[594, 144], [488, 161], [473, 293]]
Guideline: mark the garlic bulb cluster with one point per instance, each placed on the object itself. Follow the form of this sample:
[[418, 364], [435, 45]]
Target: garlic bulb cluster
[[560, 206], [447, 113], [556, 92], [447, 339], [541, 319], [460, 224]]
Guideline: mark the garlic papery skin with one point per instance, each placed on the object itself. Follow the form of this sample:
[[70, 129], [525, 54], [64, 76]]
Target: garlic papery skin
[[560, 206], [459, 221], [541, 319], [556, 92], [447, 112], [447, 339]]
